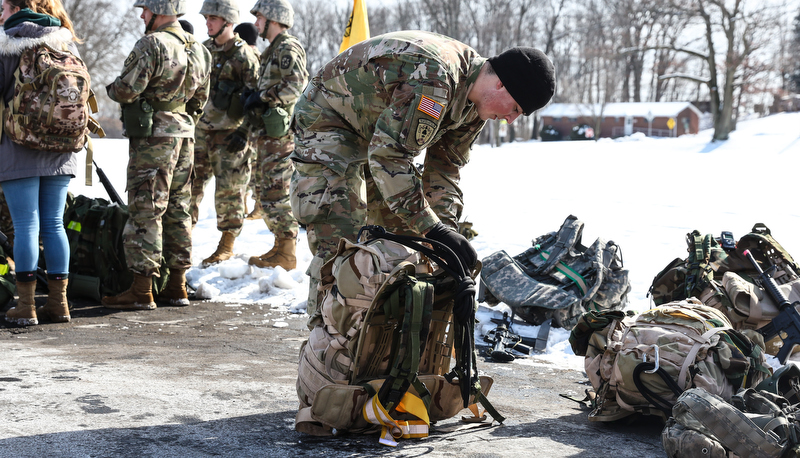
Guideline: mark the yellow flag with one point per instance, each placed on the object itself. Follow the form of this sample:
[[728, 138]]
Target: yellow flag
[[357, 27]]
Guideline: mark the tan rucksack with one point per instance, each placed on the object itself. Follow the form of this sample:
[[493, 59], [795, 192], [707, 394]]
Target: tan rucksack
[[52, 102], [723, 278], [381, 358], [642, 363]]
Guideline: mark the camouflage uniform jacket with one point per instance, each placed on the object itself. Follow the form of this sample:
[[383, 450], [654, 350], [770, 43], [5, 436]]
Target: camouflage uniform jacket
[[283, 76], [234, 65], [156, 69], [400, 93]]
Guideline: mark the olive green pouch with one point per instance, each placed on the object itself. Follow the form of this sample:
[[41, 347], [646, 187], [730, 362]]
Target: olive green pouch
[[137, 118], [228, 98], [276, 122]]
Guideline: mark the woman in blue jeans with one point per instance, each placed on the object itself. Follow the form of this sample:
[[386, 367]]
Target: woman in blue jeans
[[35, 182]]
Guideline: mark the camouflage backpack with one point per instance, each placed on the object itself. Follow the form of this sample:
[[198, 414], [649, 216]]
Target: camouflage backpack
[[50, 108], [642, 363], [723, 278], [755, 424], [380, 355], [558, 278]]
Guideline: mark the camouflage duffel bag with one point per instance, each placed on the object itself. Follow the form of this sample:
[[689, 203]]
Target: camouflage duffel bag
[[558, 279], [755, 424], [642, 363]]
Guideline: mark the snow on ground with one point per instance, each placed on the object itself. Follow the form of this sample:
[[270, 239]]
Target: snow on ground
[[644, 193]]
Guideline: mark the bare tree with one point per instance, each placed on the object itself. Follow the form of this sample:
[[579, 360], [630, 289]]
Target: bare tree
[[793, 64], [737, 30], [320, 27], [107, 29]]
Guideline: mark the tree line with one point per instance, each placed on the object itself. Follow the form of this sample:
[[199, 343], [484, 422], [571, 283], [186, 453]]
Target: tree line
[[737, 56]]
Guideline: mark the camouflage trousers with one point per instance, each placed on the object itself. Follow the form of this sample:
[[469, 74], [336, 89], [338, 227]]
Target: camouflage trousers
[[159, 194], [275, 171], [232, 172]]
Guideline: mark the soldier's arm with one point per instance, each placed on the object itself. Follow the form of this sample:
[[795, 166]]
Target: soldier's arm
[[141, 65], [403, 130], [294, 77], [250, 65], [441, 174], [249, 74], [197, 101]]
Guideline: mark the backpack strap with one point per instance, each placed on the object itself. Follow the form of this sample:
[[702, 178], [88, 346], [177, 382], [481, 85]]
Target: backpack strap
[[178, 106], [466, 357], [699, 272], [569, 235]]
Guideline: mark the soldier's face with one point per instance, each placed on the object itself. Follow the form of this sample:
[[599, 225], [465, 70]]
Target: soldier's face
[[214, 24], [261, 22], [497, 103], [146, 15]]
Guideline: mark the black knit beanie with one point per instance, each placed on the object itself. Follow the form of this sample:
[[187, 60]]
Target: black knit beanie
[[528, 75], [247, 32], [186, 25]]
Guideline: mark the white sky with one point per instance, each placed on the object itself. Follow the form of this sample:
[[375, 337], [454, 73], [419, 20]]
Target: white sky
[[645, 194], [245, 6]]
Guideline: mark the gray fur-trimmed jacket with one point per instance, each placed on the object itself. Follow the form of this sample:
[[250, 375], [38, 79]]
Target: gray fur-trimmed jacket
[[17, 161]]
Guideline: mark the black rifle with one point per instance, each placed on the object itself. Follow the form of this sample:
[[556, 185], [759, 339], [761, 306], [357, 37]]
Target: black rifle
[[503, 341], [112, 193], [786, 324]]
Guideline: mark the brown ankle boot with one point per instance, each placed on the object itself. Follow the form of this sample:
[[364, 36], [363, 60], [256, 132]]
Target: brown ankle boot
[[138, 297], [224, 250], [56, 310], [174, 293], [24, 313], [284, 255]]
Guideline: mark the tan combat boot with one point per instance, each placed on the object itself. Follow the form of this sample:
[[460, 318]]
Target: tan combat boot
[[224, 250], [56, 310], [283, 254], [24, 313], [138, 297], [174, 293]]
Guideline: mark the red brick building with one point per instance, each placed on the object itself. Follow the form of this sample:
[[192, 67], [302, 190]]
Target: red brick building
[[654, 119]]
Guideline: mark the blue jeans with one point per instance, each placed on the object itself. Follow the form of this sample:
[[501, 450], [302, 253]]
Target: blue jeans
[[37, 208]]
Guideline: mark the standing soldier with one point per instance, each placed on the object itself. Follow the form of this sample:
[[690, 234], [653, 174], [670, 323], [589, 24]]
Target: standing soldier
[[221, 139], [282, 78], [162, 89]]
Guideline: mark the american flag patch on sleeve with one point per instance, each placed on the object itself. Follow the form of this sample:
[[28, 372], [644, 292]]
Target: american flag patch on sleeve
[[430, 107]]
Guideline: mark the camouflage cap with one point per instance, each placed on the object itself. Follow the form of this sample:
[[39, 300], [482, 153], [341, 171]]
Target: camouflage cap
[[226, 9], [164, 7], [275, 10]]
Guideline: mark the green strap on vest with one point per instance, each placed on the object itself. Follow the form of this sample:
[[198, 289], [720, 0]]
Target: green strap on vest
[[175, 106]]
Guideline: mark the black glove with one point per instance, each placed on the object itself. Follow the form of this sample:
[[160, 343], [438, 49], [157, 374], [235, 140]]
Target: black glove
[[237, 141], [456, 242], [254, 101], [246, 92]]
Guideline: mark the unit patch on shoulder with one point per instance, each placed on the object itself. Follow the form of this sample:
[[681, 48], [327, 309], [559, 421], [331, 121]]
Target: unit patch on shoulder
[[131, 59], [425, 130], [430, 107], [286, 62]]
